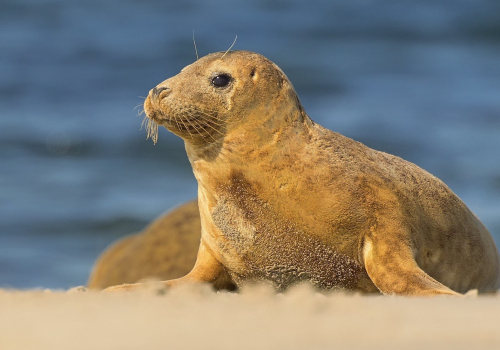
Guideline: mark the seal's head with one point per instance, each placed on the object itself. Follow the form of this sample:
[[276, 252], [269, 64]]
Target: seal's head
[[221, 92]]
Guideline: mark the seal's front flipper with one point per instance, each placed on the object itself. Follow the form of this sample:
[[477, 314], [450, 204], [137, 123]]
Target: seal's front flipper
[[206, 270], [392, 268]]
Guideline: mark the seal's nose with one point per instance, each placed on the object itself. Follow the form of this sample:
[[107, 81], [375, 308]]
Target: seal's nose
[[157, 91]]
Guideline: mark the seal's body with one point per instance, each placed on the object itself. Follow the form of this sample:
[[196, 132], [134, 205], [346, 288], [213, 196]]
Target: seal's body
[[284, 200], [165, 249]]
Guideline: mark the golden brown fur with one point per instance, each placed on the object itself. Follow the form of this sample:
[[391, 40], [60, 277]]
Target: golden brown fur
[[284, 200], [166, 249]]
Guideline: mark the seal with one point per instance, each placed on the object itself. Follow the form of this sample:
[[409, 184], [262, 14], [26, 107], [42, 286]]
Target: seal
[[165, 249], [283, 200]]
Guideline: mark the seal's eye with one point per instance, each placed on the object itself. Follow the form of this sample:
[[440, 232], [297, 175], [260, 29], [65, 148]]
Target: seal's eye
[[221, 80]]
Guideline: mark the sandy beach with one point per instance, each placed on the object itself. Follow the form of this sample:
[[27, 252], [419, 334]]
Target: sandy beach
[[193, 318]]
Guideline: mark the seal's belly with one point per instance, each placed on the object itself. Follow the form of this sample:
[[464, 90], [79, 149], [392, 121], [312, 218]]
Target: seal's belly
[[283, 268], [259, 245]]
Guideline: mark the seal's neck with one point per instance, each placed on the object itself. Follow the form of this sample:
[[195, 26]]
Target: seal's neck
[[274, 140]]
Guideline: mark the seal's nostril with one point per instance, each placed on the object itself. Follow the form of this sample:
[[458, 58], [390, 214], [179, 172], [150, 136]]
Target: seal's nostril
[[157, 91]]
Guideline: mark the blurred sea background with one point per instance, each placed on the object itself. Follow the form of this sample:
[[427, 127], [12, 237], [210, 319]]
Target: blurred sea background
[[419, 79]]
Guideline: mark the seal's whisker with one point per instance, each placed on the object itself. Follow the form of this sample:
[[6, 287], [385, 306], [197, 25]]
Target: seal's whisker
[[195, 48], [213, 118], [139, 112], [191, 122], [177, 122], [216, 117], [202, 126], [155, 139], [210, 122], [207, 117], [230, 47], [144, 121], [187, 128], [151, 128], [213, 115], [198, 131], [195, 119], [207, 123]]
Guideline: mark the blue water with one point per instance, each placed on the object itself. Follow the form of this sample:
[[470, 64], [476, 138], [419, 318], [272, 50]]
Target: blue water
[[419, 79]]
